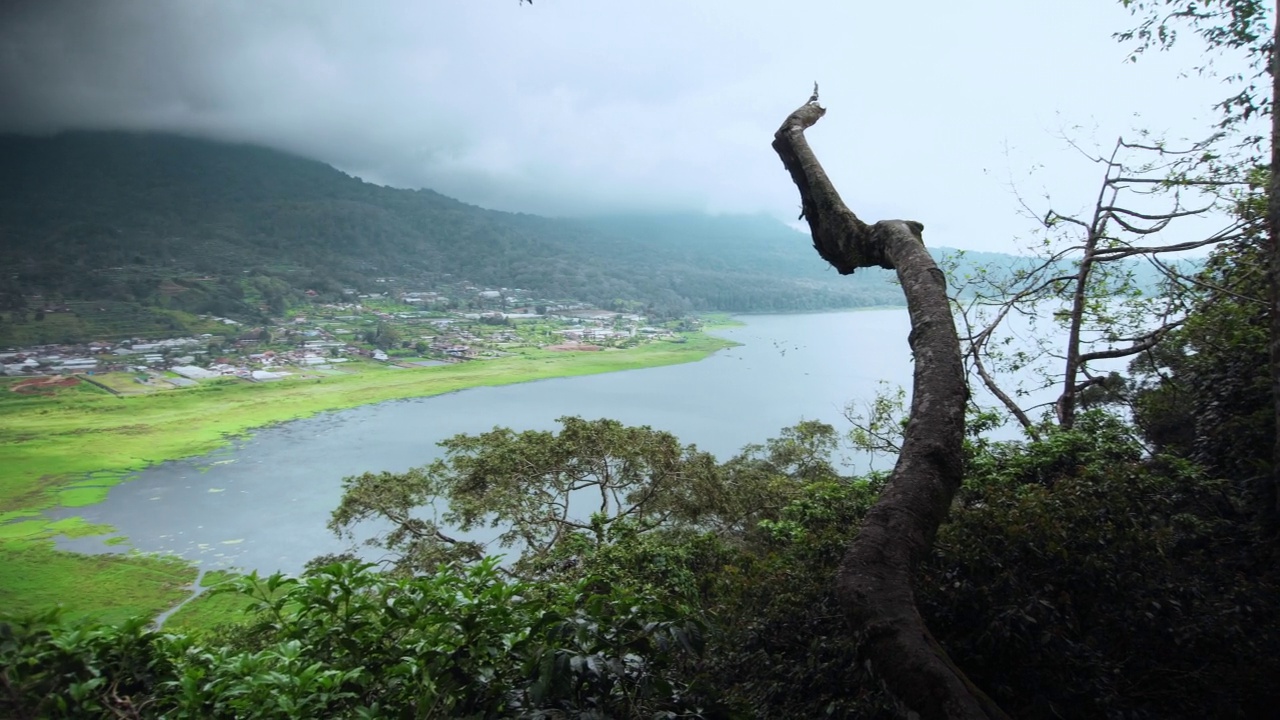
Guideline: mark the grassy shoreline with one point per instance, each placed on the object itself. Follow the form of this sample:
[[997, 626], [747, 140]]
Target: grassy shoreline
[[70, 449]]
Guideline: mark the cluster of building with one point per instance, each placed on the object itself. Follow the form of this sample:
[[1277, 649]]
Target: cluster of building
[[479, 324], [271, 364], [102, 356]]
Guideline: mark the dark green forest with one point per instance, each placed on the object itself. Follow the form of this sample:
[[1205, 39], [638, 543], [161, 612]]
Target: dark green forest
[[182, 223], [161, 227]]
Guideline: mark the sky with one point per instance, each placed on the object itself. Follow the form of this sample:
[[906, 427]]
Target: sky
[[938, 111]]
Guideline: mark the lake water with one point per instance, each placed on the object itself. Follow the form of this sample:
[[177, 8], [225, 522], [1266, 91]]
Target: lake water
[[263, 503]]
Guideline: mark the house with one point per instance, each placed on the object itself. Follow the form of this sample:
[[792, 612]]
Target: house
[[75, 365], [192, 372], [263, 375], [25, 367]]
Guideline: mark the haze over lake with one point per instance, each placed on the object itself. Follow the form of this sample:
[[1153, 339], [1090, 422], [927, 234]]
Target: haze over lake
[[263, 503]]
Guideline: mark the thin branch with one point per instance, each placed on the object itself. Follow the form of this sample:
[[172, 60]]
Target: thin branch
[[1171, 273], [1163, 216], [1152, 340], [1137, 230], [1180, 183], [1003, 397]]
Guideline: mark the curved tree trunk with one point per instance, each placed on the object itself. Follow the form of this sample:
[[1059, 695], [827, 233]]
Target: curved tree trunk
[[1271, 491], [874, 579]]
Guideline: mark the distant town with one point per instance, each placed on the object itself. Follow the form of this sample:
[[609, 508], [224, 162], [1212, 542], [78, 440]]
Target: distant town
[[411, 328]]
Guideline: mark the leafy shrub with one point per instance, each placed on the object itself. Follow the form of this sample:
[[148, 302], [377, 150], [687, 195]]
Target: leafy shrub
[[347, 642], [1083, 580], [1076, 578]]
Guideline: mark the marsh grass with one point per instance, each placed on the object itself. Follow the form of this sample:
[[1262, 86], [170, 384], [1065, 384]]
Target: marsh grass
[[711, 321], [109, 588], [211, 609], [124, 383]]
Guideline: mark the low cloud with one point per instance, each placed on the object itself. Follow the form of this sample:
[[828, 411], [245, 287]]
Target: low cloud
[[577, 107]]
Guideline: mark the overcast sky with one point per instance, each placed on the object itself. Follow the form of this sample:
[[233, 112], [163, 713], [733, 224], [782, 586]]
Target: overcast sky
[[573, 107]]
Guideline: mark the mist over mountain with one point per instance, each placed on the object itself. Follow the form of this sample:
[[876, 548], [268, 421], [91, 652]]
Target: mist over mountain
[[156, 218]]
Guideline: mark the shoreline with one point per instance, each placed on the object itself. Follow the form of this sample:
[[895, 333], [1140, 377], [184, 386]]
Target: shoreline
[[865, 308], [69, 453]]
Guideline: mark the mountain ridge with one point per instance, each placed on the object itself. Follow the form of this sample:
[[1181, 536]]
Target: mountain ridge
[[209, 227]]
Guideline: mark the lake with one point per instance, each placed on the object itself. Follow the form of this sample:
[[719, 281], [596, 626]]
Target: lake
[[263, 502]]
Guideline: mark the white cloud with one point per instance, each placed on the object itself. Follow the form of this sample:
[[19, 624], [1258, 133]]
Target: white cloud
[[573, 106]]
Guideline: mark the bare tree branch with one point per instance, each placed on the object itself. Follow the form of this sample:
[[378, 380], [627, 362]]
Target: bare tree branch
[[1198, 282], [1151, 341], [874, 582], [1161, 216], [1180, 182], [994, 388]]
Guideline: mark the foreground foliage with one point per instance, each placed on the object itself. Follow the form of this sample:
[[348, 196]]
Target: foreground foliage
[[347, 642], [1077, 577], [1205, 393]]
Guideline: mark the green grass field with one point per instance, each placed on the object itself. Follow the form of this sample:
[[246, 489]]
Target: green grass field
[[109, 588], [209, 609], [68, 448]]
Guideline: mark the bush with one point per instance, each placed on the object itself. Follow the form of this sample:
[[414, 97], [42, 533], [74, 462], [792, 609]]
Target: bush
[[1076, 578], [1083, 580], [347, 642]]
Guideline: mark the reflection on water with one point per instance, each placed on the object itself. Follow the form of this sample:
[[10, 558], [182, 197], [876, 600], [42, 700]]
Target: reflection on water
[[263, 502]]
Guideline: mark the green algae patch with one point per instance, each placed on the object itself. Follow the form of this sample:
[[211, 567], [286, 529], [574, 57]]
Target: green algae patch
[[23, 529], [74, 527], [82, 496], [712, 321]]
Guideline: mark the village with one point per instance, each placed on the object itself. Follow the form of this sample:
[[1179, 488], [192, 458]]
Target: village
[[393, 329]]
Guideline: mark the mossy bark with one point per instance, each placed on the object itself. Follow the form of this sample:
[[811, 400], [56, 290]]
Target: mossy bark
[[1271, 496]]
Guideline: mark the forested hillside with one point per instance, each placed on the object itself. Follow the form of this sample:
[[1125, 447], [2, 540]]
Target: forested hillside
[[194, 225], [169, 220]]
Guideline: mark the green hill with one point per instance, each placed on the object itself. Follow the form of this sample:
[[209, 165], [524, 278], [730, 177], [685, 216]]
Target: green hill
[[183, 223], [172, 225]]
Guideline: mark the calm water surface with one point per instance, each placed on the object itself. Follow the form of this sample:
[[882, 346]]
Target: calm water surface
[[263, 503]]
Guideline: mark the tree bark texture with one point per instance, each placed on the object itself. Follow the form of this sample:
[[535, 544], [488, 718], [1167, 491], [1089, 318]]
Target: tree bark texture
[[1271, 496], [874, 581]]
